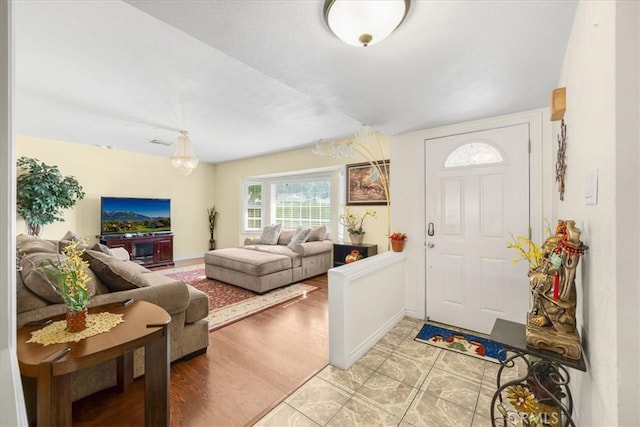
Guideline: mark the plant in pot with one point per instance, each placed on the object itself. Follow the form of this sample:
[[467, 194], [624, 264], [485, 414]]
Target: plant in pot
[[42, 193], [71, 282], [354, 225], [397, 241]]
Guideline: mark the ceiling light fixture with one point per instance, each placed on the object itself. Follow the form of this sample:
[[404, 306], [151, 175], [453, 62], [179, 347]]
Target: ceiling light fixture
[[183, 159], [364, 22]]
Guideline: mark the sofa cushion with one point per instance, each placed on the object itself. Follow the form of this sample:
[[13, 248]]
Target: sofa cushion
[[317, 234], [27, 244], [40, 283], [117, 275], [270, 234], [301, 236], [278, 250]]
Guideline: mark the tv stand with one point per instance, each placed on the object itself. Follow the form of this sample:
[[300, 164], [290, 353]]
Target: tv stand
[[149, 250]]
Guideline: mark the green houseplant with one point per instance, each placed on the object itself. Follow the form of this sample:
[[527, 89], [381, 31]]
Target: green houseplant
[[43, 193]]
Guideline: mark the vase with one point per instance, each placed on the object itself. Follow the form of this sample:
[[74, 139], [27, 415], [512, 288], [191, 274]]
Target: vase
[[353, 256], [77, 320], [397, 245], [212, 242], [356, 239]]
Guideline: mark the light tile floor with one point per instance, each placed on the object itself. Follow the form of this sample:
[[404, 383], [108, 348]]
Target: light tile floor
[[399, 382]]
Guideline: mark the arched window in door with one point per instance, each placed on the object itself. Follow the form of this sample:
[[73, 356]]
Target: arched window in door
[[474, 154]]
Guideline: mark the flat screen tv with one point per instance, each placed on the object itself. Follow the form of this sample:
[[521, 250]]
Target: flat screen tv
[[122, 215]]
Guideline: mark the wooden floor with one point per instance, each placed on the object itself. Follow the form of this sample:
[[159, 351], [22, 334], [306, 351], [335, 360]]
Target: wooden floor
[[250, 367]]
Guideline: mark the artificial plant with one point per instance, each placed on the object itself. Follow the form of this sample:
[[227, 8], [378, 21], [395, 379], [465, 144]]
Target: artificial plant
[[42, 193]]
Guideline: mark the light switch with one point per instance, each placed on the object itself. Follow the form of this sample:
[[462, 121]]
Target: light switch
[[591, 188]]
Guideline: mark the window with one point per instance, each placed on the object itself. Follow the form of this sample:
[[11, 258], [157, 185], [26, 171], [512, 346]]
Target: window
[[305, 203], [253, 206], [475, 153], [292, 200]]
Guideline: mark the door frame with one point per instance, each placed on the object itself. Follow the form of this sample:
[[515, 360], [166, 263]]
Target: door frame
[[540, 174]]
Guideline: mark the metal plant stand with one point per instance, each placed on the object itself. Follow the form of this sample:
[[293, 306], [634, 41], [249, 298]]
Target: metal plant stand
[[546, 377]]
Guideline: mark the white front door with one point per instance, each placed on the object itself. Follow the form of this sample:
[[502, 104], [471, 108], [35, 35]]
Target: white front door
[[477, 188]]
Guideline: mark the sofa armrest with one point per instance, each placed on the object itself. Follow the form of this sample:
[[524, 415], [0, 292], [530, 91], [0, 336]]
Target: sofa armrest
[[252, 241], [313, 248]]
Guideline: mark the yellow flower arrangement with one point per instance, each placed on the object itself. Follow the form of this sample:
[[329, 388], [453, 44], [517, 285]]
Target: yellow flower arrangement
[[71, 277], [353, 224], [528, 250], [522, 399]]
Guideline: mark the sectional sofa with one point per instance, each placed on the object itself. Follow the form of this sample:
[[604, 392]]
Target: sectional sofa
[[113, 279]]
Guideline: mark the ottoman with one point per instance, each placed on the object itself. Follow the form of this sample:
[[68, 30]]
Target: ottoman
[[253, 270]]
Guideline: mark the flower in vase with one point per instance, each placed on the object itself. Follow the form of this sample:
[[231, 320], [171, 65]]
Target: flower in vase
[[71, 277], [354, 224]]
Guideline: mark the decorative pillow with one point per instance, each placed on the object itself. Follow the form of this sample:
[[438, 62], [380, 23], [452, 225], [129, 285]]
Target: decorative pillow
[[286, 234], [301, 236], [31, 244], [270, 234], [101, 248], [115, 274], [39, 282], [317, 234], [70, 236]]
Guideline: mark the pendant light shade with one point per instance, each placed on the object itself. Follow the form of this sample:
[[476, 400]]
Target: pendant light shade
[[183, 159], [364, 22]]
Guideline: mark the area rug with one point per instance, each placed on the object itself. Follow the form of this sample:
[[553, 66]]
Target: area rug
[[460, 342], [228, 303]]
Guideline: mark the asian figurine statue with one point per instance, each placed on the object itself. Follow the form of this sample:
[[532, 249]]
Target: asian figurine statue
[[551, 321]]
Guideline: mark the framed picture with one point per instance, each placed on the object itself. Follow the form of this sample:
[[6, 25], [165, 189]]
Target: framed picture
[[366, 183]]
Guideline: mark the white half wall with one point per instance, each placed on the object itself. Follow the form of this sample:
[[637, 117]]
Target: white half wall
[[366, 300]]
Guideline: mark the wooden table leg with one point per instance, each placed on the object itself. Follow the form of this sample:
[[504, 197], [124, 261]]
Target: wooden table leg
[[124, 372], [156, 379], [54, 398]]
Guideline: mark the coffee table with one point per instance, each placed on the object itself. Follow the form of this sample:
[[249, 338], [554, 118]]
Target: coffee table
[[47, 370]]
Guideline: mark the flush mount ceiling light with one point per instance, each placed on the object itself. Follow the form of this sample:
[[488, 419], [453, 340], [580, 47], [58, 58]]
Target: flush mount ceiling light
[[364, 22], [183, 159]]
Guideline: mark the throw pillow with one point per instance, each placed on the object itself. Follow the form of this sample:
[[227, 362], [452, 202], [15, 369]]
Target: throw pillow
[[116, 275], [270, 234], [102, 248], [31, 244], [286, 234], [301, 236], [317, 234], [39, 282]]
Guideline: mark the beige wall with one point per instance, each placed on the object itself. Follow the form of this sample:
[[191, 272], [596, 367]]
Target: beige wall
[[104, 172], [229, 177], [119, 173]]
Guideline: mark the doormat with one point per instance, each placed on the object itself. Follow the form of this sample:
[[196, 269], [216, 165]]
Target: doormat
[[461, 342], [228, 303]]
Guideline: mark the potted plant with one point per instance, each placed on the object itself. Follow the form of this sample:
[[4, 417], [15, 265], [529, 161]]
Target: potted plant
[[42, 193], [354, 225], [71, 284], [397, 241]]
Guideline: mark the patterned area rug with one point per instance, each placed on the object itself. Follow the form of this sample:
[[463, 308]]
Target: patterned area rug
[[461, 342], [228, 303]]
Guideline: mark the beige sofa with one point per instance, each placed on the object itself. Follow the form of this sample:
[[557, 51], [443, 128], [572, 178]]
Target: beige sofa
[[262, 265], [112, 280]]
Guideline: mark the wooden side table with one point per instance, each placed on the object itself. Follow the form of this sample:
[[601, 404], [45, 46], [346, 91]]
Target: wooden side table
[[47, 370], [341, 250], [546, 373]]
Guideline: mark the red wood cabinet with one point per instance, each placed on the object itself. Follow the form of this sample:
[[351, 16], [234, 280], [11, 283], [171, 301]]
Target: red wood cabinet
[[149, 251]]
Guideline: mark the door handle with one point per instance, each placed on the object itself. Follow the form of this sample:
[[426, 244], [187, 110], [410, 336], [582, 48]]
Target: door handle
[[430, 230], [431, 245]]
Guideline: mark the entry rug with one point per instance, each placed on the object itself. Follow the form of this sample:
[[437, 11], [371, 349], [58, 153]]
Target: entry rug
[[228, 303], [461, 342]]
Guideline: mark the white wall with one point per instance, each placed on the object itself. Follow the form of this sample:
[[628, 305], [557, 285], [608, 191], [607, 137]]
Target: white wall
[[600, 72], [12, 410]]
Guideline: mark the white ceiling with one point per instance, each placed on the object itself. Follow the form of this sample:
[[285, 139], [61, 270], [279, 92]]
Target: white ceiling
[[255, 77]]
